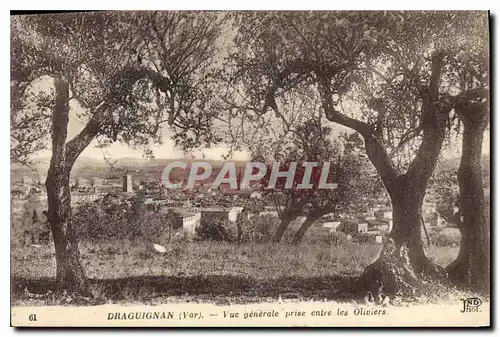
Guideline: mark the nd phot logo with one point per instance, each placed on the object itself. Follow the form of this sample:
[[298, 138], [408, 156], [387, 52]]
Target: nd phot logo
[[471, 304]]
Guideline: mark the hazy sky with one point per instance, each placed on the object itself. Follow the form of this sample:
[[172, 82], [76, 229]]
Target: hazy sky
[[167, 150]]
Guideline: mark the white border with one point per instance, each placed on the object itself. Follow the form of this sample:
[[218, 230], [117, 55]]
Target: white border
[[199, 4]]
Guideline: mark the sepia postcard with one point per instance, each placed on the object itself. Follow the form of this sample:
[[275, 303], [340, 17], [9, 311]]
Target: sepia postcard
[[250, 169]]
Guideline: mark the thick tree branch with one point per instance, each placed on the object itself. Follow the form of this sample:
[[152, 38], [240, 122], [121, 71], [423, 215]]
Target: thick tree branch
[[76, 145], [120, 87], [374, 148], [433, 120], [60, 119]]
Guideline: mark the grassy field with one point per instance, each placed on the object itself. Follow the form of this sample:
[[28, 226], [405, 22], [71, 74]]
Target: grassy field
[[126, 271]]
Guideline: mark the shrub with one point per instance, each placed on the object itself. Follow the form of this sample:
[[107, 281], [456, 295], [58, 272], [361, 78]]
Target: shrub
[[259, 229], [213, 230], [321, 236], [119, 221], [442, 238]]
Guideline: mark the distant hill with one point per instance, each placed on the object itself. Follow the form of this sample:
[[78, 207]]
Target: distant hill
[[89, 167]]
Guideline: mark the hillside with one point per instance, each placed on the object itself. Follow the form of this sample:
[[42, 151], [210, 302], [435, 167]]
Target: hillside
[[91, 167]]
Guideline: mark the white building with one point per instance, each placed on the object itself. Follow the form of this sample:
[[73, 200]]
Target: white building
[[234, 213], [81, 198], [383, 214], [188, 221], [296, 223], [231, 214], [354, 226], [333, 225], [127, 184]]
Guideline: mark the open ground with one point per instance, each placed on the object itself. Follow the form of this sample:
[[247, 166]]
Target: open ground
[[213, 272]]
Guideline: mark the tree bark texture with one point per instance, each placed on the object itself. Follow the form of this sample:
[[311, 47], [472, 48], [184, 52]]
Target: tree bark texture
[[284, 223], [69, 270], [299, 235], [471, 269]]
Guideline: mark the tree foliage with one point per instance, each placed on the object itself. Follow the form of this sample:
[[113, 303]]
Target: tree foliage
[[129, 72], [389, 77], [127, 83], [359, 65]]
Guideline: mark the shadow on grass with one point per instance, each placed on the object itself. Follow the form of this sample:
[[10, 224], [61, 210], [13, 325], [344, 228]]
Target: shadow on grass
[[211, 288]]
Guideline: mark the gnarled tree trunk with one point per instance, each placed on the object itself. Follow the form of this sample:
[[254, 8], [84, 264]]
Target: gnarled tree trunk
[[297, 238], [402, 267], [471, 269], [70, 273], [284, 223]]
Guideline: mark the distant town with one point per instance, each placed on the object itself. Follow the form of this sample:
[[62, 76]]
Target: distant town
[[189, 208]]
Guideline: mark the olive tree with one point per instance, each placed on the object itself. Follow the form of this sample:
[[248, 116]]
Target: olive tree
[[383, 75], [470, 71], [130, 73]]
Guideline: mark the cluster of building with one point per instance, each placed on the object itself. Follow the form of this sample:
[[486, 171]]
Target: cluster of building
[[188, 209], [185, 210], [84, 190], [32, 188], [189, 218], [370, 226], [377, 222]]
